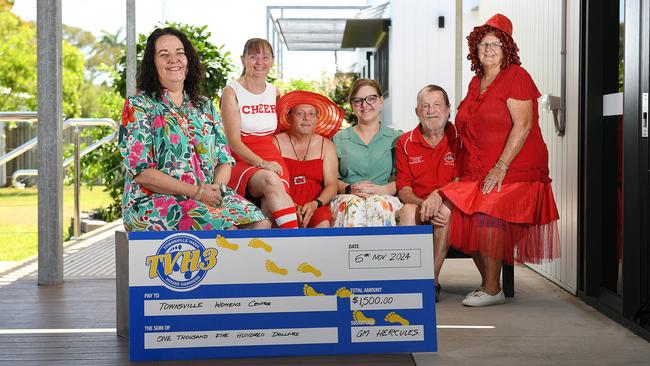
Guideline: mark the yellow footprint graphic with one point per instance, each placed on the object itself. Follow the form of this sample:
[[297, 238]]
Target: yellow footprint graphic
[[308, 268], [393, 317], [359, 317], [224, 243], [259, 243], [273, 268], [309, 291], [343, 292]]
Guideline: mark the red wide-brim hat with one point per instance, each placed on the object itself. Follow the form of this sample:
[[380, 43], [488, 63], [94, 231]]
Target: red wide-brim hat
[[500, 22], [330, 115]]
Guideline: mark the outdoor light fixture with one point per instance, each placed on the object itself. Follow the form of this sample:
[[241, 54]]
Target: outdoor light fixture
[[553, 104], [441, 21]]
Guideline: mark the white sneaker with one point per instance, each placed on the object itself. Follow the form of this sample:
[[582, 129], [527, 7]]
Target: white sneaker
[[482, 298], [474, 291]]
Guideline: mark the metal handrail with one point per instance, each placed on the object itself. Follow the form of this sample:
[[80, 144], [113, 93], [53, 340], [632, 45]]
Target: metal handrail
[[77, 124], [18, 116], [72, 122], [19, 173]]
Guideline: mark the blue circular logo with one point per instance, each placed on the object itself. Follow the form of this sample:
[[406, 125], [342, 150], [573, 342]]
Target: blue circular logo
[[185, 255]]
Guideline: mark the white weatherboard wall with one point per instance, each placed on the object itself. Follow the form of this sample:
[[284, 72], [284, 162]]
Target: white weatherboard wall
[[537, 31], [420, 54]]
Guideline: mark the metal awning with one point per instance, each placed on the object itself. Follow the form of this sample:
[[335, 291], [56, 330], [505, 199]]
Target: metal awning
[[312, 34], [321, 28], [364, 33], [309, 28]]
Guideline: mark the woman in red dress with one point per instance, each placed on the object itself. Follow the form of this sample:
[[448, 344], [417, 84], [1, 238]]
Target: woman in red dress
[[502, 209], [309, 121]]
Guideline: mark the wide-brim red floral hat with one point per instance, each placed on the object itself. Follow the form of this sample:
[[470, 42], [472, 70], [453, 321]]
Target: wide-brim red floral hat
[[330, 115]]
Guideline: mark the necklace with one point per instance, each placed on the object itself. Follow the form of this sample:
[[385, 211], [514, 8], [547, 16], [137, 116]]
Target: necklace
[[294, 149]]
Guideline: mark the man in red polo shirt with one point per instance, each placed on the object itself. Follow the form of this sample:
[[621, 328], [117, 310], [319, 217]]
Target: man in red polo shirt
[[427, 160]]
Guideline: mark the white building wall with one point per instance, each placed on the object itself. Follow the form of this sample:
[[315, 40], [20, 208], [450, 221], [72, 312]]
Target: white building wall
[[537, 31], [471, 18], [420, 54]]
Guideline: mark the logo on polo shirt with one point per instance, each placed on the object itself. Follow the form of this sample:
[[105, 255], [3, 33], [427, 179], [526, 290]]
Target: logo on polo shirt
[[449, 158], [416, 160]]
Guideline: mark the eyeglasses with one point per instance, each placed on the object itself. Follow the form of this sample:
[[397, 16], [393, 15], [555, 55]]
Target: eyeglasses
[[486, 45], [370, 100], [302, 114]]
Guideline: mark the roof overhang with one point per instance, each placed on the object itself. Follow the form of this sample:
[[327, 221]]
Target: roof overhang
[[364, 33], [311, 34]]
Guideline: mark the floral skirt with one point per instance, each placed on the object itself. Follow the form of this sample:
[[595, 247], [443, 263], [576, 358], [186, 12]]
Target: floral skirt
[[349, 210], [162, 212]]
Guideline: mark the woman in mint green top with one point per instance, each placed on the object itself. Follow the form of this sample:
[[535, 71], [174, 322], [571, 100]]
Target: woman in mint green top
[[366, 155]]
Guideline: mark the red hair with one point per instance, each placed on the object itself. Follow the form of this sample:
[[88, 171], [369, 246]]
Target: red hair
[[509, 48]]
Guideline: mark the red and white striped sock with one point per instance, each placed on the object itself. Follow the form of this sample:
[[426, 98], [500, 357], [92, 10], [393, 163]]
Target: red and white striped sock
[[286, 218]]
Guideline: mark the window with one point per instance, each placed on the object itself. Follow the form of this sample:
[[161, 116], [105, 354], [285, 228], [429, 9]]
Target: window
[[381, 65]]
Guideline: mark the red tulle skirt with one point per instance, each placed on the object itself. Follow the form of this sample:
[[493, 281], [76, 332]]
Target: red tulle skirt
[[518, 224]]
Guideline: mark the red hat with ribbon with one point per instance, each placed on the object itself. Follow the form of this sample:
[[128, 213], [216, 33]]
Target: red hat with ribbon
[[330, 115]]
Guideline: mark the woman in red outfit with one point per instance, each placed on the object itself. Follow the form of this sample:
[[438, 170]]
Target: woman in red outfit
[[310, 120], [248, 109], [502, 209]]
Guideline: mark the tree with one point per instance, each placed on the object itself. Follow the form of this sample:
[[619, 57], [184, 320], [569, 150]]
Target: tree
[[6, 4], [18, 67]]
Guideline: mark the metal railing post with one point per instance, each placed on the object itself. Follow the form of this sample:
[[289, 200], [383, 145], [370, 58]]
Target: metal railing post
[[77, 182]]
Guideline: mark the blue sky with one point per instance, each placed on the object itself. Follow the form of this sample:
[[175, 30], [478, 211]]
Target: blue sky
[[231, 22]]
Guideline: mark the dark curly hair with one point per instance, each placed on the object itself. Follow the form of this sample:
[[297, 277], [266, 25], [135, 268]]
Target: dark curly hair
[[509, 48], [148, 79]]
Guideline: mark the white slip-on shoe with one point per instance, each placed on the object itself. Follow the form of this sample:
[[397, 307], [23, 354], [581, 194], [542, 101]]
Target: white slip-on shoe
[[482, 298], [474, 291]]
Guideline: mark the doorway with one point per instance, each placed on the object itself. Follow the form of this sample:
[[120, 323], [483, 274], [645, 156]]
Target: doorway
[[614, 251]]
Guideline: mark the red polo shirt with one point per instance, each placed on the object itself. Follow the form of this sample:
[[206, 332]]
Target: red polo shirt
[[425, 168]]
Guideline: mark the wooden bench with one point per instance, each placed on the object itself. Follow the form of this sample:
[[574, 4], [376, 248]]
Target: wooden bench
[[122, 283]]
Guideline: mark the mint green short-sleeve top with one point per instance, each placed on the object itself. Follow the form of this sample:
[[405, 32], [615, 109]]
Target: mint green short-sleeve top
[[374, 162]]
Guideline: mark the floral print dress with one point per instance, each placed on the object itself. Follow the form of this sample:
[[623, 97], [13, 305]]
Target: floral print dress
[[186, 143]]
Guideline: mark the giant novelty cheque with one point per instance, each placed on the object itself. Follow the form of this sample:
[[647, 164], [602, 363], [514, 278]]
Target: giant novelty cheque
[[251, 293]]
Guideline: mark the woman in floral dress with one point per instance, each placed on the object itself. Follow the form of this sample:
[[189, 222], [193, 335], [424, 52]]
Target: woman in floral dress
[[174, 148]]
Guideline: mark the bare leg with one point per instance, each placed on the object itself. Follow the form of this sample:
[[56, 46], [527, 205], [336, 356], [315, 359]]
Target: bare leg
[[407, 214], [262, 224], [492, 272], [480, 265], [440, 247], [266, 184]]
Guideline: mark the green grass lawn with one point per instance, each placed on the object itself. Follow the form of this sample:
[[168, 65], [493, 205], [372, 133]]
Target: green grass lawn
[[19, 215]]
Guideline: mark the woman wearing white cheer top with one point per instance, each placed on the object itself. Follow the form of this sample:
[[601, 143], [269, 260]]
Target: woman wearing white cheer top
[[249, 120]]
